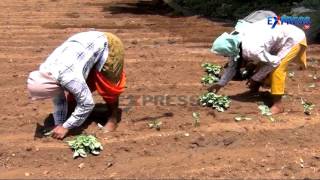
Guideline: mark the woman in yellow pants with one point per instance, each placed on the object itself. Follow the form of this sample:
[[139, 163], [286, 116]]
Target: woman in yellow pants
[[272, 49], [278, 76]]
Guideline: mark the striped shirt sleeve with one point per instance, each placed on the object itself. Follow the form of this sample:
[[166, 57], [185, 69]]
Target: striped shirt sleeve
[[85, 103]]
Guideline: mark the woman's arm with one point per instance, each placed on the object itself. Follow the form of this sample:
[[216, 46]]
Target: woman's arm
[[85, 103], [228, 73], [262, 72]]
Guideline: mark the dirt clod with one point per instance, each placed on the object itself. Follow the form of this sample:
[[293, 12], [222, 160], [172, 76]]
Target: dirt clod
[[229, 141], [81, 165]]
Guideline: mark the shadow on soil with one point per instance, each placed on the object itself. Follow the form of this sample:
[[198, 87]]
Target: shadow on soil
[[100, 114], [152, 8], [150, 118], [263, 96], [141, 7]]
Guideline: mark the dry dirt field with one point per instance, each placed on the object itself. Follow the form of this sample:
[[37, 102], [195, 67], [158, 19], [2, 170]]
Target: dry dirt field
[[164, 53]]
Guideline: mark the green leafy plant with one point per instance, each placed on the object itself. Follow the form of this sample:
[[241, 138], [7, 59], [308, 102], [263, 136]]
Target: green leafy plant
[[212, 69], [265, 111], [196, 119], [218, 102], [307, 106], [84, 144], [209, 79], [156, 124]]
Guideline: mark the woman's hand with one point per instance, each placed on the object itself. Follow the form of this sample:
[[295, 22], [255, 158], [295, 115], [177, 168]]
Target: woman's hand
[[59, 132], [214, 88]]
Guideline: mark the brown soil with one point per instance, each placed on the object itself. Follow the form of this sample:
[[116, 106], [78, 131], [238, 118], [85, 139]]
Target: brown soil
[[163, 57]]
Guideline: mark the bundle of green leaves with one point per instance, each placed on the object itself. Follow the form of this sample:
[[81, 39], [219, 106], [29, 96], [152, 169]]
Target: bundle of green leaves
[[213, 73], [212, 69], [265, 111], [84, 144], [218, 102], [209, 79]]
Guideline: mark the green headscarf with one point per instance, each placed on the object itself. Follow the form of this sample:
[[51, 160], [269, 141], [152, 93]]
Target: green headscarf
[[113, 67], [227, 45]]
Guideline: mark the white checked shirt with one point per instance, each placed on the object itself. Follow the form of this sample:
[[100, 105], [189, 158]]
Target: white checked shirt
[[70, 65]]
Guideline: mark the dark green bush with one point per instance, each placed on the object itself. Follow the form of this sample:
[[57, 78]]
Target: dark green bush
[[235, 9]]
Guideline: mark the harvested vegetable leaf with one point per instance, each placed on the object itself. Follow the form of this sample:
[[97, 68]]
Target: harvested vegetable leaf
[[312, 85], [48, 133], [218, 102], [242, 118], [307, 106], [209, 79], [212, 69], [265, 111], [84, 144]]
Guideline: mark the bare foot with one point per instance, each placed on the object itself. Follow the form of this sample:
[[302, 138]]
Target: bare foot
[[276, 109], [111, 126]]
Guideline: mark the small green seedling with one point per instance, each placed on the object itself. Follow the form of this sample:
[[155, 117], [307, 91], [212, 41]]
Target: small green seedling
[[265, 111], [218, 102], [209, 79], [156, 124], [307, 106], [84, 144], [242, 118], [196, 119], [212, 69]]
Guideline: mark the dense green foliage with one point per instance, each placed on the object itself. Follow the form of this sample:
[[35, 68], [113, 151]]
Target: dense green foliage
[[235, 9], [218, 102], [213, 73]]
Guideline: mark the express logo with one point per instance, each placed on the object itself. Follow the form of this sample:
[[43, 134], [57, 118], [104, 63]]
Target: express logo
[[304, 21]]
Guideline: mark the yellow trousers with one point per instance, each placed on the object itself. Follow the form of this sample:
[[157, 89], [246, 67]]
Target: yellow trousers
[[278, 76]]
